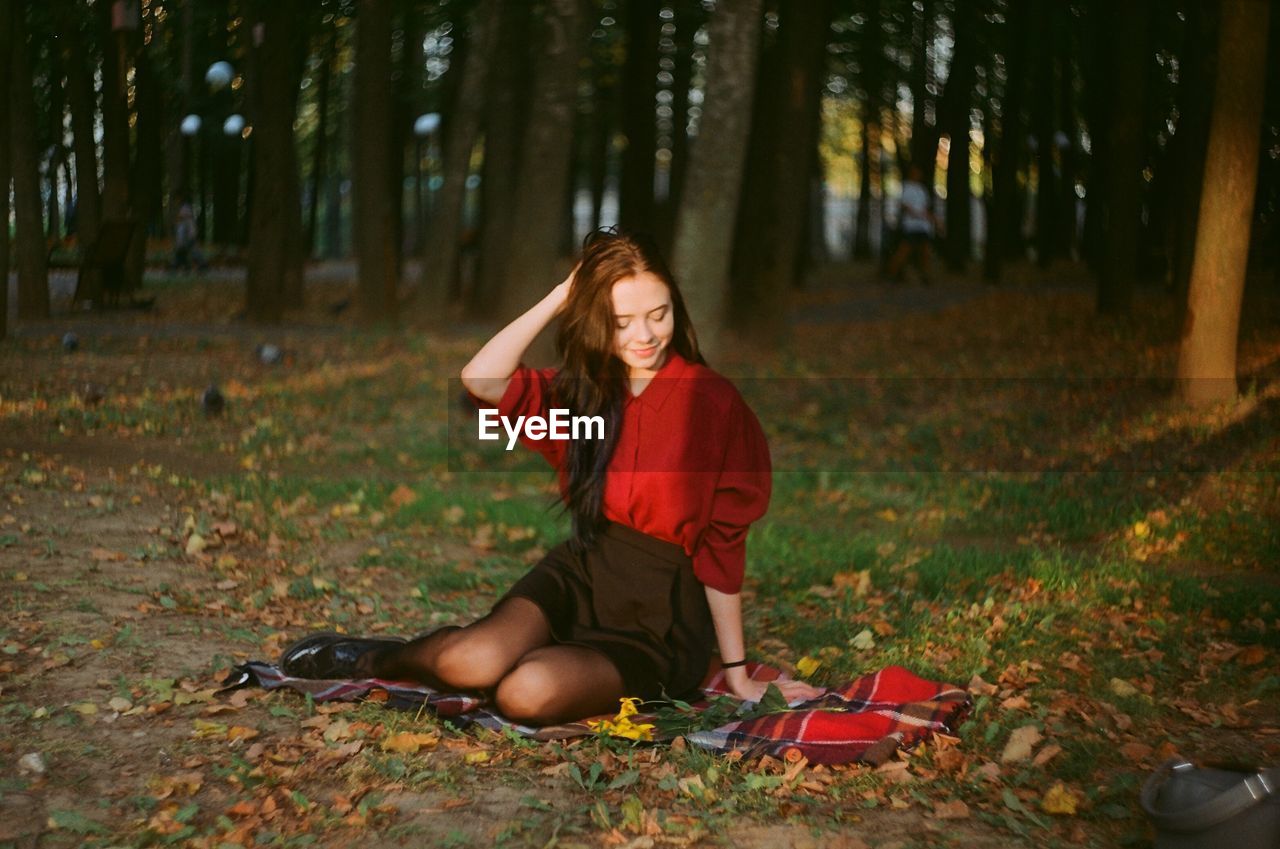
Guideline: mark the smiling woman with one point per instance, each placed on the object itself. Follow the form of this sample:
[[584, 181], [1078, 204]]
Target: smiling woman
[[635, 602]]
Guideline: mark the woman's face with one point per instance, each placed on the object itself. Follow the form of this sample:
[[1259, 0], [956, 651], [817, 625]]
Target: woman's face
[[644, 322]]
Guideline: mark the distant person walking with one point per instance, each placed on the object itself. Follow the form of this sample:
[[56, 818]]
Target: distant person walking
[[186, 249], [916, 226]]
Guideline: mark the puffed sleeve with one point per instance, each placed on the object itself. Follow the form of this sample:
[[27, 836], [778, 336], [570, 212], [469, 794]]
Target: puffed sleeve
[[740, 497], [528, 394]]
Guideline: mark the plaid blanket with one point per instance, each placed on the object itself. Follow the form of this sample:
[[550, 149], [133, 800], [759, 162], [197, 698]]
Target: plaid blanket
[[866, 720]]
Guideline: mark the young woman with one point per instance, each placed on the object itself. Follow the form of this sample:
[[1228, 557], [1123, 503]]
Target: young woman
[[634, 603]]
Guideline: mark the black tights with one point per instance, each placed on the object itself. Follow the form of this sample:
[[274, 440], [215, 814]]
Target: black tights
[[509, 654]]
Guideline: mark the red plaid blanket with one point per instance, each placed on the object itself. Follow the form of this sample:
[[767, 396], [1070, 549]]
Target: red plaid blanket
[[867, 720]]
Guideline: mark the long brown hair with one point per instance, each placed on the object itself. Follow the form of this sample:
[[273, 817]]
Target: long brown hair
[[592, 381]]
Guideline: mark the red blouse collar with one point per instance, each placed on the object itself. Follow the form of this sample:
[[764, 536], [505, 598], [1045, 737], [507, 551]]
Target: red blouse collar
[[659, 388]]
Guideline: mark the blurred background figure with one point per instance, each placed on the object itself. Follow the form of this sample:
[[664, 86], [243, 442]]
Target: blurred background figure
[[916, 227], [186, 248]]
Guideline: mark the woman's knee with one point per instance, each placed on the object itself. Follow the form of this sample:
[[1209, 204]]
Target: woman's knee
[[528, 693], [471, 662]]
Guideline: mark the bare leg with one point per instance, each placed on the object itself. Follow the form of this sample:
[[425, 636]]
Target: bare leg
[[560, 684], [472, 658]]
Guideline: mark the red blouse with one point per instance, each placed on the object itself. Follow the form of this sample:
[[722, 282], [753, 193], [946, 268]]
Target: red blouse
[[691, 465]]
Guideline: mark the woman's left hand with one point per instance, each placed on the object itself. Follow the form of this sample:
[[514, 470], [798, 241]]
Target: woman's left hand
[[753, 691]]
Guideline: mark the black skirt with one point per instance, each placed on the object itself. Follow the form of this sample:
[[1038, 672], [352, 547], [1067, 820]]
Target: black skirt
[[633, 598]]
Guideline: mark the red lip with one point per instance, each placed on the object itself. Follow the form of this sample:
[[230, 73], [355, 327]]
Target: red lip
[[644, 353]]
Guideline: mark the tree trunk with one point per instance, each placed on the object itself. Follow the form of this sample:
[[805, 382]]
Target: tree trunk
[[639, 121], [1197, 70], [954, 114], [115, 121], [146, 185], [82, 100], [1043, 111], [1207, 359], [320, 150], [871, 51], [539, 208], [1004, 213], [7, 13], [275, 261], [462, 127], [772, 240], [688, 19], [506, 106], [704, 226], [33, 272], [1124, 151], [374, 208]]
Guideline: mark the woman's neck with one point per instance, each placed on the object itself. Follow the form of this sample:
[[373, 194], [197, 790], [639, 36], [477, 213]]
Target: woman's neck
[[638, 378]]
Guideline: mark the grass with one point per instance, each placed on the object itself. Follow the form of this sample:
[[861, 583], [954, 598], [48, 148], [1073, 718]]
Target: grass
[[1050, 536]]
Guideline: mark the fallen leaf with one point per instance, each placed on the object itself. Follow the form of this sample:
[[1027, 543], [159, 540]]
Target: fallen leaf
[[1123, 688], [408, 742], [1046, 754], [1021, 742], [1060, 801], [1252, 656], [864, 640], [952, 810], [806, 666]]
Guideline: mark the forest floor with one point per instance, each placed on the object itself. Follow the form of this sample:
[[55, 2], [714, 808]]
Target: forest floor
[[988, 486]]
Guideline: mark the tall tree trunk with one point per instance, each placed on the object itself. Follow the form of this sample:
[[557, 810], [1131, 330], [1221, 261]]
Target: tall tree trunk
[[924, 134], [33, 273], [506, 107], [871, 52], [275, 261], [1043, 112], [82, 100], [7, 13], [145, 180], [772, 222], [544, 162], [704, 226], [687, 20], [115, 121], [1197, 69], [1004, 212], [328, 55], [954, 115], [1124, 151], [374, 218], [1098, 77], [1207, 359], [639, 122], [462, 128]]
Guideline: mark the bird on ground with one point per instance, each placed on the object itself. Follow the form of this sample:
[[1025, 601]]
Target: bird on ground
[[70, 342], [212, 401]]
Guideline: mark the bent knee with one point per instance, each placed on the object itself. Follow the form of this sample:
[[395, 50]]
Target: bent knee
[[528, 694], [471, 663]]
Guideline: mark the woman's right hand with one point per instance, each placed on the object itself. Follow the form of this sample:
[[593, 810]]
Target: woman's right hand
[[564, 289]]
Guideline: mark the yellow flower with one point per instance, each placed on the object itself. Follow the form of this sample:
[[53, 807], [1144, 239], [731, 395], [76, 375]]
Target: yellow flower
[[621, 725], [806, 666]]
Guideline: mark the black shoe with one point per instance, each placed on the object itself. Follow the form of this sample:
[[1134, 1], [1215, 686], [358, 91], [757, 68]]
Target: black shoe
[[329, 655]]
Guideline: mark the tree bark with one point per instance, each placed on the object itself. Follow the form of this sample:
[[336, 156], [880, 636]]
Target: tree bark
[[1124, 152], [639, 121], [704, 225], [1003, 223], [321, 148], [1207, 358], [7, 13], [145, 178], [871, 51], [1197, 71], [275, 255], [462, 129], [1043, 111], [540, 196], [506, 105], [954, 115], [374, 208], [33, 272], [688, 18], [772, 222], [83, 103]]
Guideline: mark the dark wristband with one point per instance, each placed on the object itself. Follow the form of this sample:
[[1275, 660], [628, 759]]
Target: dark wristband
[[742, 662]]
